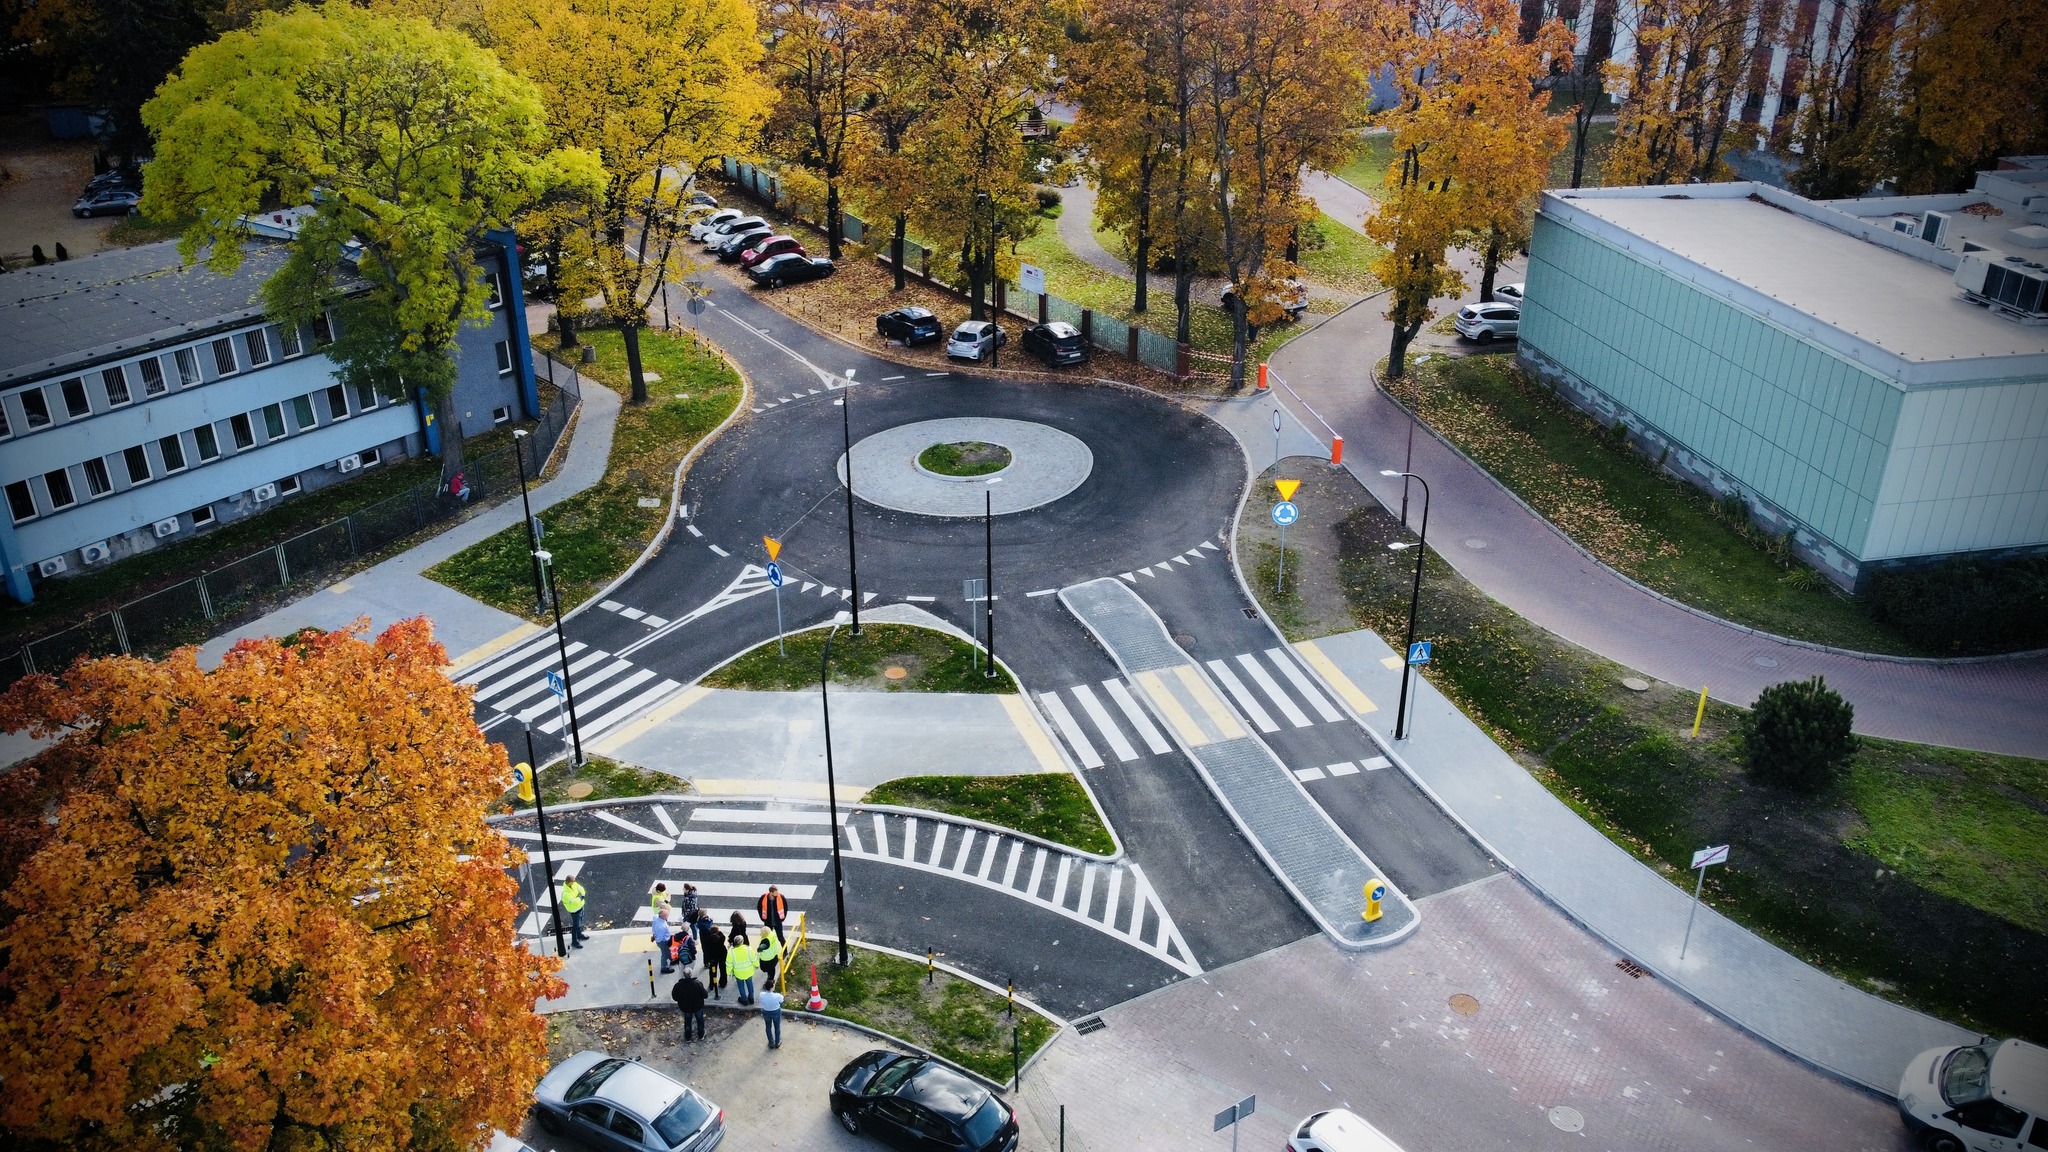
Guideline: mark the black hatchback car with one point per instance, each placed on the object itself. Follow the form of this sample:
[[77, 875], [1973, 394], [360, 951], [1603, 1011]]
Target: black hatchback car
[[910, 325], [1056, 343], [921, 1105], [789, 268]]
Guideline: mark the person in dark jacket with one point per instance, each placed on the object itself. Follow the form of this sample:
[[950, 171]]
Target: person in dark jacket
[[711, 943], [689, 996]]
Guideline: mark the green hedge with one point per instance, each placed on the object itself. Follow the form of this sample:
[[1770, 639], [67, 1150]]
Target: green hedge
[[1966, 607]]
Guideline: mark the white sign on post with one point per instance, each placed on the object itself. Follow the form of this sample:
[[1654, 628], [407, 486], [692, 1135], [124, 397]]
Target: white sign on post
[[1032, 278], [1701, 860]]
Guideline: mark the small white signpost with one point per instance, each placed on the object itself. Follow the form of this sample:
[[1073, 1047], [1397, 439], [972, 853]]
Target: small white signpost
[[1701, 861], [1032, 278]]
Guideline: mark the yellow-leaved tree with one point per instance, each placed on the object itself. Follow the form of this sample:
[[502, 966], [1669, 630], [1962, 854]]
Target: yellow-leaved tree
[[269, 913]]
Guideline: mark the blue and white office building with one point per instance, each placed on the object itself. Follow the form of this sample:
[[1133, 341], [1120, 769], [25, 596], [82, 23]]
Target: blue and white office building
[[142, 401]]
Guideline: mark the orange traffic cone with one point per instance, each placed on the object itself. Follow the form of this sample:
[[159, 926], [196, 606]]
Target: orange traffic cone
[[817, 1002]]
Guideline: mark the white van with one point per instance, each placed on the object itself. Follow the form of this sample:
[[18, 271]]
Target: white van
[[1987, 1097], [1339, 1131]]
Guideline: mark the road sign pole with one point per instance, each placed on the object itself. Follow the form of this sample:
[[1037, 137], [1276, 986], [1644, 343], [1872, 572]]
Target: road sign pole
[[1280, 582], [1695, 911], [1276, 429], [780, 650]]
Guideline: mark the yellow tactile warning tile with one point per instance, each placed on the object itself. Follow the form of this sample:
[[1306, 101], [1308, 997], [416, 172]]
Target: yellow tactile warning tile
[[1390, 663], [640, 726], [1335, 678], [1206, 699], [1034, 736], [1190, 732], [636, 942], [492, 647]]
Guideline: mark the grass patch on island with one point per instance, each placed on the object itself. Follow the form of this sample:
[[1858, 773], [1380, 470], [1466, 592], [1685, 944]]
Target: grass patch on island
[[597, 533], [967, 458], [955, 1018], [930, 661], [1619, 506], [1049, 805]]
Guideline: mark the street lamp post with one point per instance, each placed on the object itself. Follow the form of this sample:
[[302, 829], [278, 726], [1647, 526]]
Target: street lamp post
[[988, 587], [540, 596], [832, 790], [846, 442], [546, 562], [547, 854], [1421, 547]]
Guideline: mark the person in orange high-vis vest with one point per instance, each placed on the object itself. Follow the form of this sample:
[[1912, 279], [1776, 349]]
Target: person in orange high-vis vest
[[773, 909]]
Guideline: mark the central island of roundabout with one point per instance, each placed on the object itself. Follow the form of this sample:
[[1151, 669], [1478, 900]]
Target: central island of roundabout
[[1044, 465]]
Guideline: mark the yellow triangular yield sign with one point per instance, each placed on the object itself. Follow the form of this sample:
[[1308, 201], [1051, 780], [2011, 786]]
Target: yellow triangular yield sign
[[1287, 488], [773, 545]]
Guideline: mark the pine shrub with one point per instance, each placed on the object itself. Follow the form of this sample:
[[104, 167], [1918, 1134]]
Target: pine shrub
[[1798, 735]]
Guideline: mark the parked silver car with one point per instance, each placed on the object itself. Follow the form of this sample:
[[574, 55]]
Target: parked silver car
[[606, 1102], [1486, 323], [976, 340], [702, 228], [1508, 294]]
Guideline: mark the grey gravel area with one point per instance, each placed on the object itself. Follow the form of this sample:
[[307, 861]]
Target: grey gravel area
[[1046, 464]]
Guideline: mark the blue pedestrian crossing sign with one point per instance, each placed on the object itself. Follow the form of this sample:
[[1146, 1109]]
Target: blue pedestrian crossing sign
[[555, 682], [1285, 513], [1418, 652], [775, 574]]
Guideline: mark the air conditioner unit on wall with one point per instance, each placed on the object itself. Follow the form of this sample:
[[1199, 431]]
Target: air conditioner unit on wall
[[96, 553], [51, 567], [263, 492], [168, 526], [350, 462]]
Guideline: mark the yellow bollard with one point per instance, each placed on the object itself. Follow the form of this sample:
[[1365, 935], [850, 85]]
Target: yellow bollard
[[1700, 715], [1375, 892]]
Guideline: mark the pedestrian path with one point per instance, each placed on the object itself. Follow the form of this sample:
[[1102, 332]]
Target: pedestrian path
[[1325, 870], [519, 685], [1745, 978]]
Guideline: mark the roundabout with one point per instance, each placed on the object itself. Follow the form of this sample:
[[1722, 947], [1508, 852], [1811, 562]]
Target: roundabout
[[1045, 464]]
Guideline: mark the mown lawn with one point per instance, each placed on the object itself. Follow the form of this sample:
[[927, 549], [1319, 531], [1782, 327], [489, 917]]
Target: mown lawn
[[1049, 805], [930, 662], [1375, 154], [596, 534], [959, 1020]]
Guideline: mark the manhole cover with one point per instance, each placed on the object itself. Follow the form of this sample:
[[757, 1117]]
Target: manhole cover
[[1464, 1004], [1635, 684], [580, 789], [895, 672], [1475, 543], [1567, 1119], [1763, 661]]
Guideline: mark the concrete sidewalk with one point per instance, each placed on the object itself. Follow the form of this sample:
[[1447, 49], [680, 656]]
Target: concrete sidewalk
[[1731, 970], [397, 589]]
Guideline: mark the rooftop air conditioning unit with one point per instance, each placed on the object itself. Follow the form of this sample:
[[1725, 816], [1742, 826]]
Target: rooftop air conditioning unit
[[51, 567], [2008, 284], [168, 526], [263, 492], [350, 462], [1933, 226], [1901, 224], [96, 553]]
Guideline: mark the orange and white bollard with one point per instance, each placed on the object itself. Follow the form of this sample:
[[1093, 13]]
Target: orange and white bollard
[[1263, 386], [817, 1001], [1337, 450]]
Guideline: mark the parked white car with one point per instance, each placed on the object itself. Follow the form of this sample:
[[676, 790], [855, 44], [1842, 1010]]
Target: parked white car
[[1508, 294], [704, 227], [1977, 1098], [1486, 323], [1339, 1131], [976, 340]]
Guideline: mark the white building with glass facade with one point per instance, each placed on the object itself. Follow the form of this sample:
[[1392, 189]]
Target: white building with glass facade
[[1869, 376]]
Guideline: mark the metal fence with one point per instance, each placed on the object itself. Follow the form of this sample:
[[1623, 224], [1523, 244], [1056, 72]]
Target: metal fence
[[214, 601], [1104, 331]]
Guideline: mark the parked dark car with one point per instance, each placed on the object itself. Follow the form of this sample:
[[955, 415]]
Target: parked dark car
[[114, 178], [775, 244], [789, 268], [1056, 343], [606, 1102], [115, 201], [920, 1105], [910, 325]]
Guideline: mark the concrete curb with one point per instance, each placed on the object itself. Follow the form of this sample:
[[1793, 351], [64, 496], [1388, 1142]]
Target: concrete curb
[[1851, 653]]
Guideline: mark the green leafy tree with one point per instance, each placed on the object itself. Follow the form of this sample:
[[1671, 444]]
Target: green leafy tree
[[411, 143], [1798, 735]]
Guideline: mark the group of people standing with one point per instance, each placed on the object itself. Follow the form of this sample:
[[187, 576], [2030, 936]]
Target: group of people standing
[[685, 935]]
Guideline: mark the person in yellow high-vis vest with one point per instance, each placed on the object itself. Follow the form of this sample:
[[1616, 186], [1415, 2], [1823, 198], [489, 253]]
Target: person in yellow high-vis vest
[[769, 952], [741, 964], [573, 899]]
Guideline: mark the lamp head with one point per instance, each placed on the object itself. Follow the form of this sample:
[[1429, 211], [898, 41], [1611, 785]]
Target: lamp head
[[1389, 472], [842, 616], [519, 433], [1399, 545]]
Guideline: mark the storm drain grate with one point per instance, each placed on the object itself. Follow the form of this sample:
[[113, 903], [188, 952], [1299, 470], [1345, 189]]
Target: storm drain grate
[[1251, 613], [1091, 1024], [1634, 970]]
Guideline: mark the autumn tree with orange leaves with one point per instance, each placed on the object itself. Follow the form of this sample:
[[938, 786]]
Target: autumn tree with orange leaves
[[269, 913]]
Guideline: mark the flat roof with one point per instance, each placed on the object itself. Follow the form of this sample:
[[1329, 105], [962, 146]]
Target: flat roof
[[1905, 306], [91, 308]]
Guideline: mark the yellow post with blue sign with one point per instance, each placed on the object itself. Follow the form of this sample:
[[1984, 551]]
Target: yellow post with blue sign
[[1375, 892]]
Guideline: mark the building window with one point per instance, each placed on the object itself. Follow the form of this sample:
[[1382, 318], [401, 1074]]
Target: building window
[[501, 415], [289, 486], [36, 407], [59, 484], [20, 501], [294, 344], [337, 403], [137, 459], [224, 357], [201, 517], [97, 481], [6, 429], [209, 445], [172, 450], [238, 427], [273, 421], [504, 358], [116, 382], [323, 331], [75, 402], [152, 376], [302, 411], [366, 395], [371, 457], [494, 290], [188, 367], [258, 344]]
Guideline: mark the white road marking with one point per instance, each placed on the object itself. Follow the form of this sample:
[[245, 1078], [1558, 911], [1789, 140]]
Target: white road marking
[[692, 528], [1295, 716], [1043, 592], [720, 551], [1375, 764], [1342, 768], [1103, 723], [753, 839], [1307, 774], [1083, 750], [1245, 700], [744, 864], [722, 815], [1136, 715], [1303, 685]]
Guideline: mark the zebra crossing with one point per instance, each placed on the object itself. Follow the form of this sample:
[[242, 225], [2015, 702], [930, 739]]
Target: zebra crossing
[[1114, 898], [610, 690], [1268, 689]]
